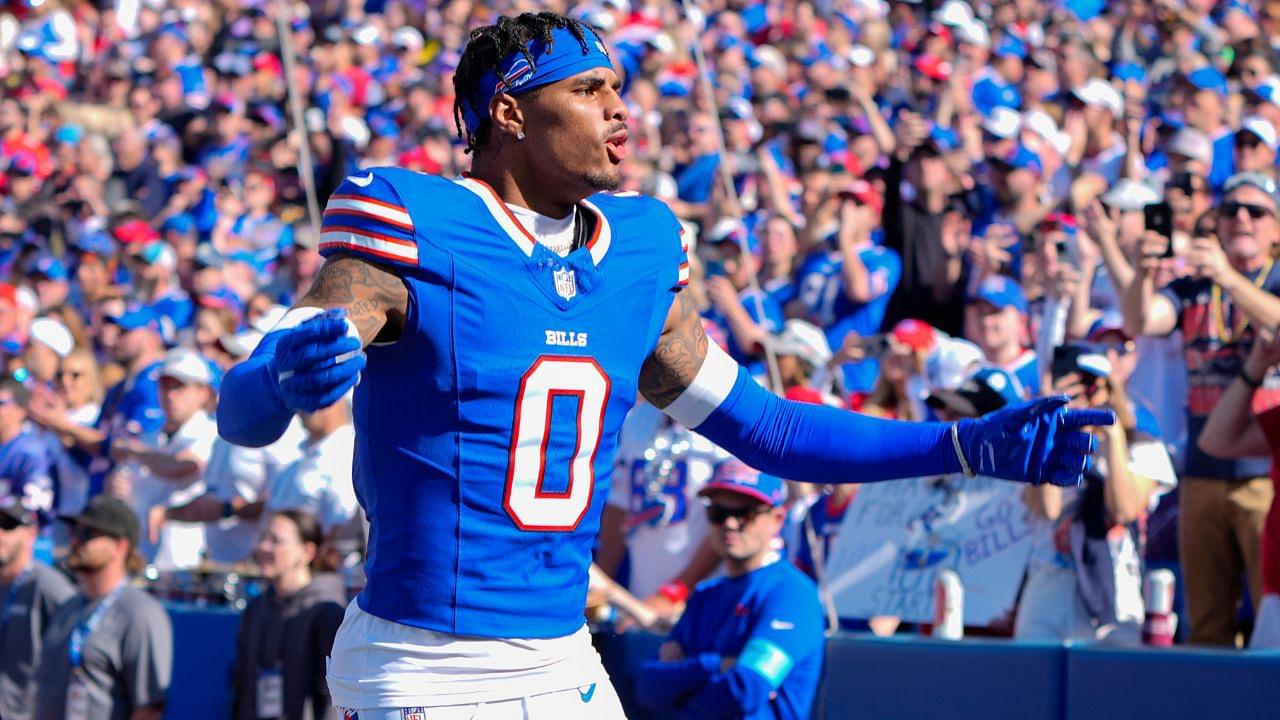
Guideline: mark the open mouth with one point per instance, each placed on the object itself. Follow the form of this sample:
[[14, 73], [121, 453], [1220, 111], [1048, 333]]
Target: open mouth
[[616, 146]]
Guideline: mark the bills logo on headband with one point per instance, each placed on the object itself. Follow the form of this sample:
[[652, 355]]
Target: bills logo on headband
[[566, 284], [519, 73]]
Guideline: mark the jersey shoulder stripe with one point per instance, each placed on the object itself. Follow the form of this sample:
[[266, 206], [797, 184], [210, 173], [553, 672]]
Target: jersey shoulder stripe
[[367, 217]]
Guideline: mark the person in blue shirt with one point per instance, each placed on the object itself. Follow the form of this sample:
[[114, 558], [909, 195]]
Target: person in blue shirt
[[996, 321], [26, 467], [749, 644], [749, 315], [131, 407], [845, 287]]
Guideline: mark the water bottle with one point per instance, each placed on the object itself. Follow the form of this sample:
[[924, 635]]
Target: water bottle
[[948, 606], [1161, 621]]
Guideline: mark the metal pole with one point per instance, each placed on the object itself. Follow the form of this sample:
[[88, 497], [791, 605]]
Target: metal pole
[[726, 178], [306, 167]]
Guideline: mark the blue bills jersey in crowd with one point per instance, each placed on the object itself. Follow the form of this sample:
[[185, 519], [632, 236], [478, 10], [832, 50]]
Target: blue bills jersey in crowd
[[821, 288], [485, 435]]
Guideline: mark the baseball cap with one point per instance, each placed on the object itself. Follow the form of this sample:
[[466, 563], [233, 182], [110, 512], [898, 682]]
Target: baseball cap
[[1010, 46], [1040, 123], [1193, 144], [950, 362], [1022, 159], [13, 512], [1255, 179], [1065, 222], [1001, 292], [973, 33], [46, 265], [221, 298], [159, 253], [803, 340], [915, 334], [1099, 93], [138, 317], [1111, 321], [955, 13], [53, 335], [933, 67], [98, 243], [1130, 195], [987, 390], [736, 476], [187, 367], [1208, 78], [110, 516], [1261, 128], [1083, 358], [1003, 122], [181, 223], [135, 231], [861, 56]]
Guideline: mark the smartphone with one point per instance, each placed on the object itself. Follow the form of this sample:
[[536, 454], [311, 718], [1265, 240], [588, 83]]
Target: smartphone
[[1159, 218], [1069, 253]]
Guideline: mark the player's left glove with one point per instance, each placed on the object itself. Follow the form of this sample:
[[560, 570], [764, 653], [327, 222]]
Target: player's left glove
[[1036, 442]]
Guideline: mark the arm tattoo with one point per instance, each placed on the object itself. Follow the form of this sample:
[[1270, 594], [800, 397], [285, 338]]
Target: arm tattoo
[[679, 355], [376, 298]]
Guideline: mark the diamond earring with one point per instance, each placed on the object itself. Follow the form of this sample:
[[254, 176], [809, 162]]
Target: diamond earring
[[520, 135]]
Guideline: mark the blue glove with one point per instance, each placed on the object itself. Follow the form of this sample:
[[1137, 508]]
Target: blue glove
[[317, 361], [1035, 442]]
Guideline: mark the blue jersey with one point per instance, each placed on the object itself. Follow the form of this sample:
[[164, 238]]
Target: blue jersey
[[771, 621], [131, 408], [820, 286], [26, 472], [772, 323], [485, 434]]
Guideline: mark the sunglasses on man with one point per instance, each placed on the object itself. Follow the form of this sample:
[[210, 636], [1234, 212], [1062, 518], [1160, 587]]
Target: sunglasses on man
[[719, 514], [1232, 209]]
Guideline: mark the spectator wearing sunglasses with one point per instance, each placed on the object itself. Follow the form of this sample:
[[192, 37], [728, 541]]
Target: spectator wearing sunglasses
[[30, 592], [108, 652], [1255, 146], [1231, 292], [749, 644]]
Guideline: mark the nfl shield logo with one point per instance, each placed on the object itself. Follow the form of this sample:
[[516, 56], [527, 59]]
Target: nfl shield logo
[[566, 286]]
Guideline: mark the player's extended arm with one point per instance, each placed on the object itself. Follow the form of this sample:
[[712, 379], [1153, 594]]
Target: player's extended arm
[[314, 356], [697, 383]]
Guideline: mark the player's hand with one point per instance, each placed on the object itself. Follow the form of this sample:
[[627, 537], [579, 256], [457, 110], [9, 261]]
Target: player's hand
[[317, 362], [1036, 442]]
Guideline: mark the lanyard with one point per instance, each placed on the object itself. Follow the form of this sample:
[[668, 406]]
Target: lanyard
[[13, 593], [86, 625], [1229, 335]]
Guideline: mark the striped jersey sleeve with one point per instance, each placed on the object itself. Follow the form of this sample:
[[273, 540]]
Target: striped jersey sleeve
[[366, 217], [682, 274]]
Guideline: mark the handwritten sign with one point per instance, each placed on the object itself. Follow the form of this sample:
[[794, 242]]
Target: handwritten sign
[[896, 537]]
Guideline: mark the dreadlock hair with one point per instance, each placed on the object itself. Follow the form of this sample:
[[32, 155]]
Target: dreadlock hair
[[487, 47]]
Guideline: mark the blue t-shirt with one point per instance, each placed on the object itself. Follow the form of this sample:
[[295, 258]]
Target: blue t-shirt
[[821, 288], [770, 620], [694, 182]]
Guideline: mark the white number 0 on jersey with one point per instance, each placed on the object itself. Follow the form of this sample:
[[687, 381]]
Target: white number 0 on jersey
[[551, 376]]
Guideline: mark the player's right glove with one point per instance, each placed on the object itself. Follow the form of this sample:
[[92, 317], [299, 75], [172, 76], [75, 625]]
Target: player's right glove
[[317, 361], [1036, 442]]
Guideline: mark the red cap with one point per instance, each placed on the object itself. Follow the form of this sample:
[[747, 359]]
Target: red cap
[[418, 159], [8, 294], [866, 194], [933, 67], [942, 31], [135, 231], [267, 61], [915, 334]]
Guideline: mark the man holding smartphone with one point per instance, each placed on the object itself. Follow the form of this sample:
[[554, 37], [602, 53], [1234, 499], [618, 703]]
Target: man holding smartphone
[[1231, 292]]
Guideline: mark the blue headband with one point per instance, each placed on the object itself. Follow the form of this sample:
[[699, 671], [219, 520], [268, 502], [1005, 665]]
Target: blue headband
[[518, 76]]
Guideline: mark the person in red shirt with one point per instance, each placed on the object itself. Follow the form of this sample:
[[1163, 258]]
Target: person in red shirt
[[1236, 428]]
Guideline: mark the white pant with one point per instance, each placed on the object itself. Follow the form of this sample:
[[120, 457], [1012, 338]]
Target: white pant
[[593, 702]]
